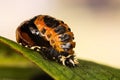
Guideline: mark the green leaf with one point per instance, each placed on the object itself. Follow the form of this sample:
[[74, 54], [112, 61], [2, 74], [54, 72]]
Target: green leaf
[[22, 73], [85, 70]]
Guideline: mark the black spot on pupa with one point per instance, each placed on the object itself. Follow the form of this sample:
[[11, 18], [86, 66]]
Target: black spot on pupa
[[69, 29], [51, 22], [43, 31], [60, 29], [49, 35]]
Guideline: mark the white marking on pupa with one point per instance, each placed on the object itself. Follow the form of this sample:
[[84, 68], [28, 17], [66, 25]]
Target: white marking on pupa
[[66, 46]]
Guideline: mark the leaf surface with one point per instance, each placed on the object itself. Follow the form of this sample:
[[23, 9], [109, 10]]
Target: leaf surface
[[85, 70]]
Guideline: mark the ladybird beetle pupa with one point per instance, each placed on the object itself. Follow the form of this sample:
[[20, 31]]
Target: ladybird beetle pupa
[[50, 35]]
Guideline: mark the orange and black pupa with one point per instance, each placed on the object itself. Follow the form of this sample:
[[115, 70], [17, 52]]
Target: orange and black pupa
[[51, 36]]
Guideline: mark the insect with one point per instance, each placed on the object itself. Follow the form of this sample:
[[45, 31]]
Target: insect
[[51, 36]]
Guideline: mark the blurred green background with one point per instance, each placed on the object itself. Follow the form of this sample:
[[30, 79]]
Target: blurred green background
[[14, 66]]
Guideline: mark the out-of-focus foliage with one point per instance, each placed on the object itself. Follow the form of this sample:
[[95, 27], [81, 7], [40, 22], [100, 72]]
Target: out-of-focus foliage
[[15, 67], [8, 57]]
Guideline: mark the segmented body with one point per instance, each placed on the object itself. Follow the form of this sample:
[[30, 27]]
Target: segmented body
[[50, 35]]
